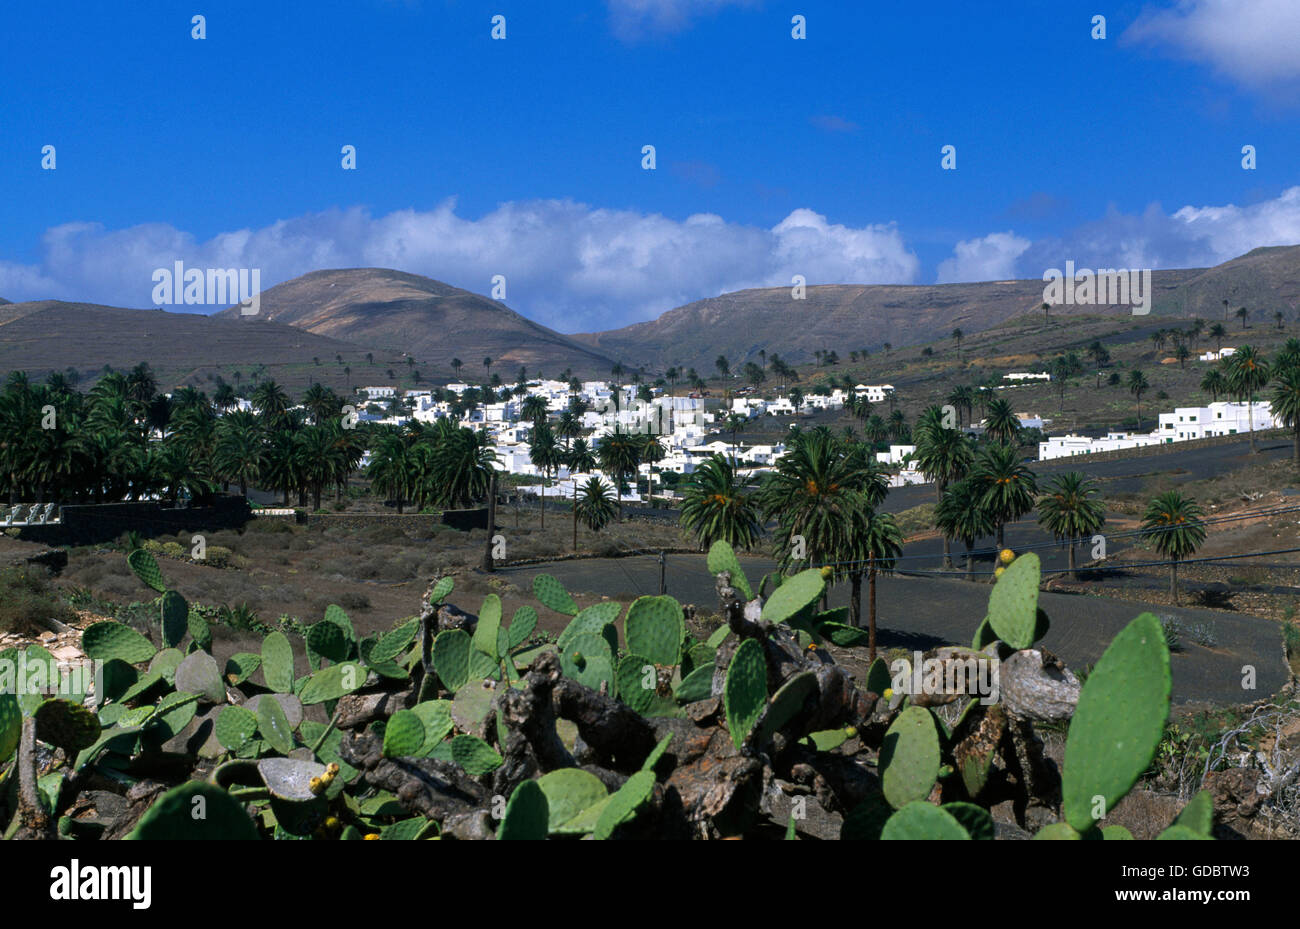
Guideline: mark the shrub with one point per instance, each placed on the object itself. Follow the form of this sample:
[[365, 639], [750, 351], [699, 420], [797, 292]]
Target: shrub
[[27, 601]]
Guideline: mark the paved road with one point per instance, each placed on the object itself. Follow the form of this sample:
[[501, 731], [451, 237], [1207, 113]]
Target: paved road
[[920, 613]]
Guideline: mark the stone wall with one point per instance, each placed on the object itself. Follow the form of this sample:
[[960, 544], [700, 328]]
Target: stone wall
[[90, 524]]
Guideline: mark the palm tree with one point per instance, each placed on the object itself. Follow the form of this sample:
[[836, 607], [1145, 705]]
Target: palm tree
[[944, 456], [1137, 386], [1286, 402], [239, 455], [1214, 383], [580, 458], [961, 515], [1247, 373], [962, 399], [734, 424], [1217, 333], [391, 466], [1243, 314], [1068, 511], [456, 365], [487, 367], [271, 402], [879, 537], [619, 456], [534, 408], [1000, 422], [1046, 308], [717, 506], [1007, 485], [545, 453], [1174, 526], [1278, 316], [875, 430], [594, 506], [956, 337], [1182, 353]]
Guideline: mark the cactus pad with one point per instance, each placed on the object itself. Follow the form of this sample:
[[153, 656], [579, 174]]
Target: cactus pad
[[451, 658], [1013, 604], [794, 594], [175, 618], [404, 735], [146, 568], [332, 682], [472, 704], [745, 690], [234, 727], [586, 658], [273, 726], [11, 725], [521, 626], [909, 757], [328, 640], [1119, 720], [67, 725], [435, 716], [553, 596], [624, 803], [440, 590], [698, 685], [489, 623], [290, 778], [569, 791], [787, 702], [655, 628], [722, 557], [198, 674], [173, 816], [108, 639], [277, 662], [921, 820], [474, 755], [527, 814]]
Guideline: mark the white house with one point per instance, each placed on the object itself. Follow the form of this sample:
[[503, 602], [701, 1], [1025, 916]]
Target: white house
[[1022, 376], [876, 393], [1219, 355]]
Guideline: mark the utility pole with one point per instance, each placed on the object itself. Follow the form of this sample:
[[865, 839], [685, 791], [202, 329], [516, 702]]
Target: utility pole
[[575, 515], [488, 565], [662, 588]]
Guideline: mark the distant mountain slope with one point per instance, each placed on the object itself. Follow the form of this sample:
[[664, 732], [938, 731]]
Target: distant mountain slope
[[53, 335], [427, 319], [844, 318]]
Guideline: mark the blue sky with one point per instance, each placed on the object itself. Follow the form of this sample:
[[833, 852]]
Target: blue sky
[[522, 156]]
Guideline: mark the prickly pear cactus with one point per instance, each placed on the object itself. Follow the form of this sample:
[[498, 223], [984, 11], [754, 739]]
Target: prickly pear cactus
[[172, 816], [146, 568], [794, 594], [909, 757], [277, 662], [655, 628], [527, 814], [198, 674], [474, 755], [1118, 723], [234, 727], [569, 791], [624, 803], [722, 557], [451, 658], [553, 595], [108, 639], [66, 725], [175, 618], [404, 735], [745, 690], [1013, 604], [521, 627], [921, 820], [489, 622], [332, 682]]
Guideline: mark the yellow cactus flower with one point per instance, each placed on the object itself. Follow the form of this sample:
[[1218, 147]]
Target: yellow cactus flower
[[997, 572], [827, 571], [371, 835], [889, 692], [1006, 556], [318, 785]]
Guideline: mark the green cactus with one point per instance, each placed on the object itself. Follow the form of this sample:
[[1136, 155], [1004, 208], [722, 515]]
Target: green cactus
[[587, 659], [277, 662], [722, 557], [440, 590], [1056, 832], [745, 690], [638, 687], [327, 639], [909, 757], [273, 725], [66, 725], [198, 674], [240, 667], [699, 656], [1116, 833], [489, 624], [11, 724], [842, 635], [394, 643], [471, 705], [1198, 815], [404, 735], [175, 618], [435, 716], [451, 658], [234, 727], [1119, 721], [974, 819], [827, 740], [656, 753], [337, 615], [597, 619], [172, 816], [200, 631], [1013, 604], [146, 569], [624, 803], [921, 820], [569, 791], [474, 755], [332, 682], [527, 814], [794, 594], [878, 679], [655, 628], [173, 713], [108, 639], [698, 685], [290, 779], [553, 596], [521, 626], [787, 702], [165, 664]]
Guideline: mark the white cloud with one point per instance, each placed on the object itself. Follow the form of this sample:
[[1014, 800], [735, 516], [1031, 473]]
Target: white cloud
[[1250, 41], [1191, 237], [634, 19], [992, 258], [566, 264]]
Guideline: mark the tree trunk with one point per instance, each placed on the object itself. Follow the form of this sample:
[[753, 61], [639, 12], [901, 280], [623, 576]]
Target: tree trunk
[[970, 562], [1250, 423], [1000, 528], [855, 599], [1073, 572], [871, 609], [1173, 582], [947, 553], [488, 566]]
